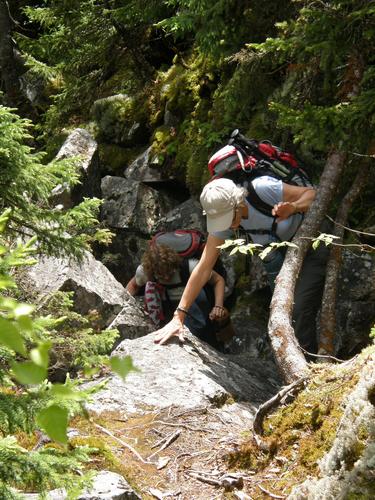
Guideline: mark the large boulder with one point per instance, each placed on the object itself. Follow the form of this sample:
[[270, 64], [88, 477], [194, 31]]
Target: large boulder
[[145, 169], [121, 119], [81, 145], [94, 288], [132, 205], [186, 215], [183, 375]]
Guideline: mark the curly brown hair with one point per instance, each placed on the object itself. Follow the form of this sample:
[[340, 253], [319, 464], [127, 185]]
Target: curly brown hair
[[160, 262]]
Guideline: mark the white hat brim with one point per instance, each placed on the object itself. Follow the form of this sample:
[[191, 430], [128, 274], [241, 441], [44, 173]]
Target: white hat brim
[[220, 222]]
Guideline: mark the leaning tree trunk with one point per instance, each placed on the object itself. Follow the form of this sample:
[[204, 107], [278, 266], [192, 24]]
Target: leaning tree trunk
[[290, 360], [328, 315]]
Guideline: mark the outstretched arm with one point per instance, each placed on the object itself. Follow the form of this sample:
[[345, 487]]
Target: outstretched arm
[[198, 278], [295, 199]]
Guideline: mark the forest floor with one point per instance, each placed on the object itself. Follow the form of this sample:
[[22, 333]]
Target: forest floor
[[208, 453], [185, 455]]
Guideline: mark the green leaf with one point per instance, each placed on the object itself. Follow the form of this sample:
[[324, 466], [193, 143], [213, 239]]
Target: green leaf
[[10, 336], [243, 249], [54, 421], [23, 310], [315, 244], [6, 282], [122, 366], [265, 252], [4, 219], [28, 373], [234, 250], [25, 323], [63, 391], [39, 355]]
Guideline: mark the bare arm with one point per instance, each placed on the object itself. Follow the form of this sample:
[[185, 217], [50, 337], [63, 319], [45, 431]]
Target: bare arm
[[198, 278], [132, 287], [295, 199], [218, 284]]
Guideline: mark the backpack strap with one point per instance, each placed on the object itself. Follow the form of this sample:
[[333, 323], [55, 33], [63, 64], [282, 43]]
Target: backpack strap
[[256, 201]]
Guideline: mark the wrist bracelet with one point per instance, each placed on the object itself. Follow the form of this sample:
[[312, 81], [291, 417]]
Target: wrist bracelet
[[220, 307], [181, 309]]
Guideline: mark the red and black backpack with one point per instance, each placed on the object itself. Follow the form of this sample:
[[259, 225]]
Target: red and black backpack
[[243, 159]]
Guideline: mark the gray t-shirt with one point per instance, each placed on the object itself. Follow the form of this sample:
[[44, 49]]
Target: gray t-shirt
[[270, 190]]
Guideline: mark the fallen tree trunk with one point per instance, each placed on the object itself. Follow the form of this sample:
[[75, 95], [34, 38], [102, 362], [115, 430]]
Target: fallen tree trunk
[[328, 311], [291, 362]]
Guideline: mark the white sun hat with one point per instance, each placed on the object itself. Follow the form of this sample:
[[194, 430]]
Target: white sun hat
[[219, 198]]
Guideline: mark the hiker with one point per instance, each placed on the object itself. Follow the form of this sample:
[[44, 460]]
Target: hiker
[[227, 207], [164, 273]]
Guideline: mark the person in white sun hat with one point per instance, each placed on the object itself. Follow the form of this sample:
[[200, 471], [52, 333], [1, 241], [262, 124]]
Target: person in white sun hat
[[227, 207]]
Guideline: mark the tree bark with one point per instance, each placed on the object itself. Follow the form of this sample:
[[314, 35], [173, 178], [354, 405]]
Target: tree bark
[[8, 68], [328, 311], [291, 361]]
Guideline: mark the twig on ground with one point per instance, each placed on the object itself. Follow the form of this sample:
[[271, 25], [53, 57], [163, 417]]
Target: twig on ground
[[192, 455], [272, 495], [169, 440], [160, 442], [218, 417], [130, 448], [204, 478], [184, 426], [202, 409]]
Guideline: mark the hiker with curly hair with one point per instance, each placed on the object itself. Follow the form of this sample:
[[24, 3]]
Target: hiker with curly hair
[[164, 274]]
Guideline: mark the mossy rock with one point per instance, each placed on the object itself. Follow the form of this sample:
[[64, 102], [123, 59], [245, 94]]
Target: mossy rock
[[121, 119], [114, 158]]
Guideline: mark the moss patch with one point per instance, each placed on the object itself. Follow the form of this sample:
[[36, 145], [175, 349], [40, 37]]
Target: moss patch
[[114, 159], [298, 435]]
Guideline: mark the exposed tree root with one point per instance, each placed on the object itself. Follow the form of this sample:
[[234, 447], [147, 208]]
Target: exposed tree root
[[265, 408]]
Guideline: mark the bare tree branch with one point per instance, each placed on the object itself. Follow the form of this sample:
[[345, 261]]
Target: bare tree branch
[[350, 229]]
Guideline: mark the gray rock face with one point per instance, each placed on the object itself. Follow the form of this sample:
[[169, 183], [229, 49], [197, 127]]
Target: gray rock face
[[124, 254], [94, 287], [187, 215], [144, 170], [106, 486], [131, 322], [183, 375], [132, 205], [79, 143], [249, 319], [356, 301]]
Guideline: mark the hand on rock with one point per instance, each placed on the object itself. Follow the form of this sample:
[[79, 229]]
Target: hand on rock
[[174, 328]]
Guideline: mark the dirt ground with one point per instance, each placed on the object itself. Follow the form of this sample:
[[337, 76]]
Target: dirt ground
[[183, 454]]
